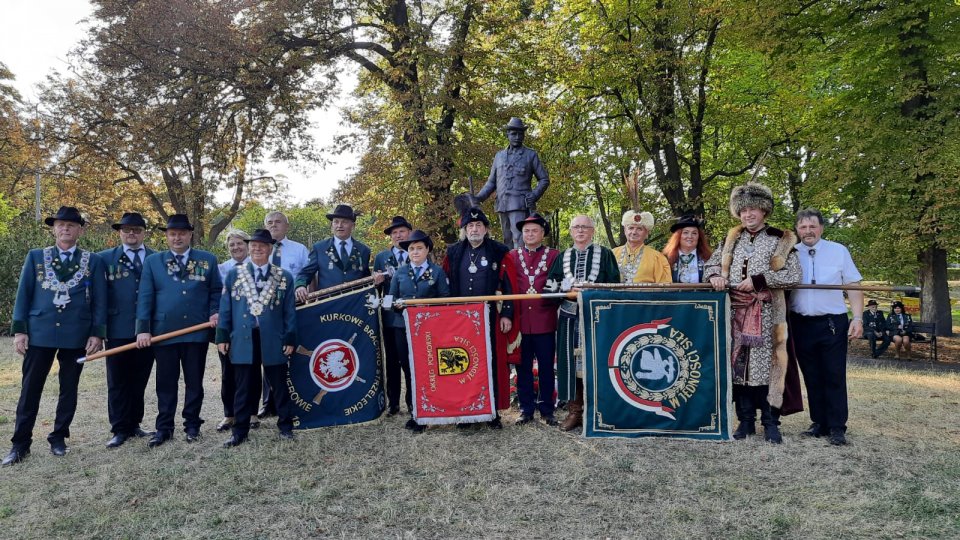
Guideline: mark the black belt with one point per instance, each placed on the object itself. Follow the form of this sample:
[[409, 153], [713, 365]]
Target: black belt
[[818, 317]]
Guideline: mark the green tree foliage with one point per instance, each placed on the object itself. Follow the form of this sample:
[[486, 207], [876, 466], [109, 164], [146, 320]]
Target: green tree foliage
[[180, 99]]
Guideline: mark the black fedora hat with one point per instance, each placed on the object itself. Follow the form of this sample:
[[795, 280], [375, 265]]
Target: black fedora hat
[[66, 213], [130, 219], [261, 235], [534, 218], [178, 221], [398, 221], [417, 236], [515, 124], [686, 221], [473, 214], [343, 211], [872, 303]]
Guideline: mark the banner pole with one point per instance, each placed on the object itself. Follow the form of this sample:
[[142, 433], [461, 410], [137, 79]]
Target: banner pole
[[154, 339]]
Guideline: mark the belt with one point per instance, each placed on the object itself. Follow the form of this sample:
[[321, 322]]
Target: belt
[[818, 317]]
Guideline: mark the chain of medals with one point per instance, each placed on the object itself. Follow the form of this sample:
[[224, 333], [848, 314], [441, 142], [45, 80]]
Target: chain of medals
[[686, 268], [541, 266], [580, 275], [61, 291], [248, 288], [629, 264]]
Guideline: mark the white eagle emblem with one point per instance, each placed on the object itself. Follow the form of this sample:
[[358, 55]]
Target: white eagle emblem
[[334, 365]]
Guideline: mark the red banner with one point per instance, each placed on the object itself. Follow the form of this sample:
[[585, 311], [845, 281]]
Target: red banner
[[451, 375]]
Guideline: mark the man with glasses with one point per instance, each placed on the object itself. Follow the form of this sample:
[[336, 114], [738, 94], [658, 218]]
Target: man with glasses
[[127, 372], [585, 262]]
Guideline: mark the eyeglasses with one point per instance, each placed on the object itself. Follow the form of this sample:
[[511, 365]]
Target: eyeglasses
[[581, 227], [131, 230]]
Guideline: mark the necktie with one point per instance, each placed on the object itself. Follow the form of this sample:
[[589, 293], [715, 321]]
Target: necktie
[[401, 259], [64, 257], [260, 278], [419, 272], [813, 266], [343, 254], [137, 263], [276, 254], [180, 261]]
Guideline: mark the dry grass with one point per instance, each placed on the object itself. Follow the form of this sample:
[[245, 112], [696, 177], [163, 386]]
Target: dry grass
[[900, 477]]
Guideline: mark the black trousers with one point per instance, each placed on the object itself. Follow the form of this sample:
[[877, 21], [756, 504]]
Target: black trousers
[[821, 346], [127, 377], [875, 349], [544, 348], [192, 358], [228, 387], [266, 398], [398, 336], [36, 366]]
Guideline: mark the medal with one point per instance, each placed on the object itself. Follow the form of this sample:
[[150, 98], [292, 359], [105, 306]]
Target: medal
[[472, 268], [748, 249], [256, 309], [531, 290]]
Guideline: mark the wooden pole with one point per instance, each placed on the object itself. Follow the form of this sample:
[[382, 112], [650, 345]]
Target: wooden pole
[[316, 295], [154, 339]]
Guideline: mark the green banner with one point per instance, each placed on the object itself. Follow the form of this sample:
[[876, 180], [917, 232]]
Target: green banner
[[655, 364]]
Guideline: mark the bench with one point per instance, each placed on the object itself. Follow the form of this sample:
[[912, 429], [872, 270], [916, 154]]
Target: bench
[[926, 334]]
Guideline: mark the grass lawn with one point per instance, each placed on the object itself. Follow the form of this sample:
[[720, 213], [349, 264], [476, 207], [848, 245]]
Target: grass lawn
[[899, 477]]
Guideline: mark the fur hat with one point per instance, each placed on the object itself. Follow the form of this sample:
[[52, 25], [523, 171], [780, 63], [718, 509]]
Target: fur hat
[[644, 219], [751, 195]]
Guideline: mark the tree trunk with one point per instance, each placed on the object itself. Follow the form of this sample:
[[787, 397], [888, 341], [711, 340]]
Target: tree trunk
[[935, 294]]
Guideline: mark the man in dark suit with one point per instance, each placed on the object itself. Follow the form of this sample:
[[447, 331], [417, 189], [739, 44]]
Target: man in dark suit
[[179, 288], [511, 177], [258, 326], [474, 267], [875, 329], [60, 311], [336, 260], [127, 372], [386, 262]]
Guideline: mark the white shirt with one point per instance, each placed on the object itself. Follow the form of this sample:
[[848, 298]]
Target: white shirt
[[830, 264], [185, 254], [228, 265], [293, 255], [129, 251], [348, 247], [397, 253], [688, 273]]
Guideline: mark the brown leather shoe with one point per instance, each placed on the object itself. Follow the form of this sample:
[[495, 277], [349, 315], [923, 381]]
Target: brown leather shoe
[[574, 417]]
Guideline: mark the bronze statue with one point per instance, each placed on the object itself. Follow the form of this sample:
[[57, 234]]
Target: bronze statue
[[511, 177]]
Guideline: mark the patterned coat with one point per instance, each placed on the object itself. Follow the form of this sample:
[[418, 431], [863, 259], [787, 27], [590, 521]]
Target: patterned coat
[[68, 326], [770, 259]]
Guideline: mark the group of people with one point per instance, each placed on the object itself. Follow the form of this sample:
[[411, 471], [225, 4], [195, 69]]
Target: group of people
[[880, 331], [72, 302]]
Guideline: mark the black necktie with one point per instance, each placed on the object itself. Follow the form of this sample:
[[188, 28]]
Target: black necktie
[[260, 278], [137, 264], [343, 254], [64, 257], [180, 261], [276, 254]]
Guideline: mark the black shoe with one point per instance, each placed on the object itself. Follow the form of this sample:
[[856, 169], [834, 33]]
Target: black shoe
[[58, 448], [234, 440], [117, 440], [772, 434], [465, 426], [266, 412], [393, 411], [157, 439], [495, 423], [225, 424], [286, 435], [524, 419], [744, 429], [15, 456], [254, 422], [814, 431], [193, 434], [837, 437], [550, 420], [413, 426], [139, 433]]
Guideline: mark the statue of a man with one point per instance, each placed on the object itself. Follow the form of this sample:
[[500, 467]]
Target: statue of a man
[[511, 177]]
